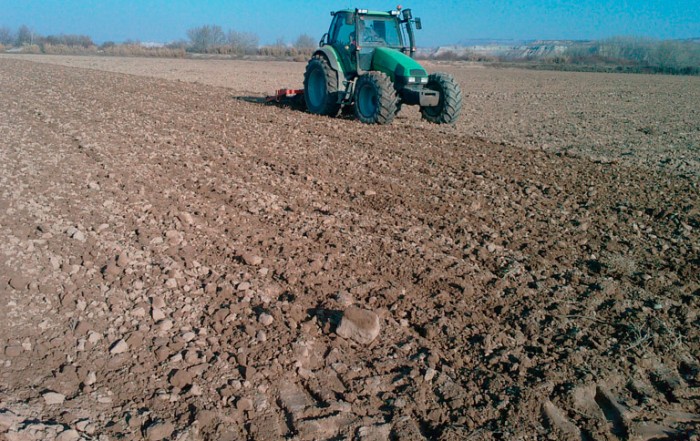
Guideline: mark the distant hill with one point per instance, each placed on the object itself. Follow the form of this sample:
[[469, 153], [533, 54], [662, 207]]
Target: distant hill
[[504, 49]]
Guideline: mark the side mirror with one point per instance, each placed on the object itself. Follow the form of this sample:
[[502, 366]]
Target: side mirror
[[407, 15], [419, 25]]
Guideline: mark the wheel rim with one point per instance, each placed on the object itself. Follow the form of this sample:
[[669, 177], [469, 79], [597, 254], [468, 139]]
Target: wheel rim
[[317, 87], [367, 101]]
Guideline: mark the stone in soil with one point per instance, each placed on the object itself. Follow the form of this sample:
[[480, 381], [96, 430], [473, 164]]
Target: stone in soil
[[158, 431], [53, 398], [244, 404], [293, 398], [69, 435], [323, 428], [180, 378], [374, 433], [8, 419], [265, 319], [359, 325], [251, 259], [119, 347], [19, 282], [13, 351], [157, 314]]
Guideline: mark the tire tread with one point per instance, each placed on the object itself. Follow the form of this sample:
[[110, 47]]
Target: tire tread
[[450, 98], [388, 99]]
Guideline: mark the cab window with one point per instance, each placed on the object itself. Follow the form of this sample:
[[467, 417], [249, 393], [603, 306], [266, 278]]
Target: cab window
[[380, 31], [344, 29]]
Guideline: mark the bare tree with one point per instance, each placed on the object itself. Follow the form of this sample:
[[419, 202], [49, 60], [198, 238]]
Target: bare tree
[[243, 42], [305, 41], [206, 37], [6, 36], [25, 35]]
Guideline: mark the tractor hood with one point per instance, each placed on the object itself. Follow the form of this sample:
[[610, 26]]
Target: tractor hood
[[396, 64]]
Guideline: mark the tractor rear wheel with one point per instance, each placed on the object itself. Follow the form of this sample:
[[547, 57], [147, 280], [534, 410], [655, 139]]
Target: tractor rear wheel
[[321, 87], [450, 106], [375, 98]]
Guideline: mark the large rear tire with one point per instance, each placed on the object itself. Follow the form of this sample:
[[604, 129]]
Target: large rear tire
[[450, 106], [321, 87], [375, 98]]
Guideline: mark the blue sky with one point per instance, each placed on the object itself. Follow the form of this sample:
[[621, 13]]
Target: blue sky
[[444, 22]]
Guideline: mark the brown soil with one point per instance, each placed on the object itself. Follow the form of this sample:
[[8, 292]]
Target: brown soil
[[177, 262]]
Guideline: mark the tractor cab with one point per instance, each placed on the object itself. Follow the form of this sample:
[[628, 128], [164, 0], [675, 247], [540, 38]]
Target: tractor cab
[[356, 33], [366, 60]]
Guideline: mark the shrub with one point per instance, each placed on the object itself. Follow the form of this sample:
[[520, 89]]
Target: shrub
[[179, 44], [63, 49], [31, 49]]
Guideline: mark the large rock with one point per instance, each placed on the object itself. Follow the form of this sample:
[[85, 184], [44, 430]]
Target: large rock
[[159, 430], [53, 398], [359, 325], [119, 347]]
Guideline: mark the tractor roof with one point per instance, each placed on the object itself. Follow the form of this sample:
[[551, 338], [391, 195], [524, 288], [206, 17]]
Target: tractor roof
[[376, 13]]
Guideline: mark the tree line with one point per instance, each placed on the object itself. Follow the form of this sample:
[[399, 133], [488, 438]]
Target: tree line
[[661, 56], [207, 39], [212, 39], [25, 36]]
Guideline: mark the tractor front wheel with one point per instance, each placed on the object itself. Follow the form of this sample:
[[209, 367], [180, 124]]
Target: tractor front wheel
[[375, 98], [321, 87], [450, 106]]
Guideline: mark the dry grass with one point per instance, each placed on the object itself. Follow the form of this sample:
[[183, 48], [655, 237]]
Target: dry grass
[[285, 51], [63, 49], [31, 49], [136, 50]]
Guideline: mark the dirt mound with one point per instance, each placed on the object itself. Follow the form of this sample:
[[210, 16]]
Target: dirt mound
[[179, 263]]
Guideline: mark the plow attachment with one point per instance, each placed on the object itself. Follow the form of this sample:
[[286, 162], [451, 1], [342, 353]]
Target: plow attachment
[[290, 97]]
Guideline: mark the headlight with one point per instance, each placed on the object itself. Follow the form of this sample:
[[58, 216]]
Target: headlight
[[411, 79], [424, 80]]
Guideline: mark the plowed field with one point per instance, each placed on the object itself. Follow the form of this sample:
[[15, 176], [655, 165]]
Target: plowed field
[[179, 261]]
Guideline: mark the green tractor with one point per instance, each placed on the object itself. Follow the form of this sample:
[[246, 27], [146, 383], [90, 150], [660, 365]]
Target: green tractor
[[366, 61]]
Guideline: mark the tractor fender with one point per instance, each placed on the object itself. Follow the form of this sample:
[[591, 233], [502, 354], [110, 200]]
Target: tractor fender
[[332, 57]]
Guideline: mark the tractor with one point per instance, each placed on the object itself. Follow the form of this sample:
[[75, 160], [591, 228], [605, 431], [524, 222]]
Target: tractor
[[366, 61]]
